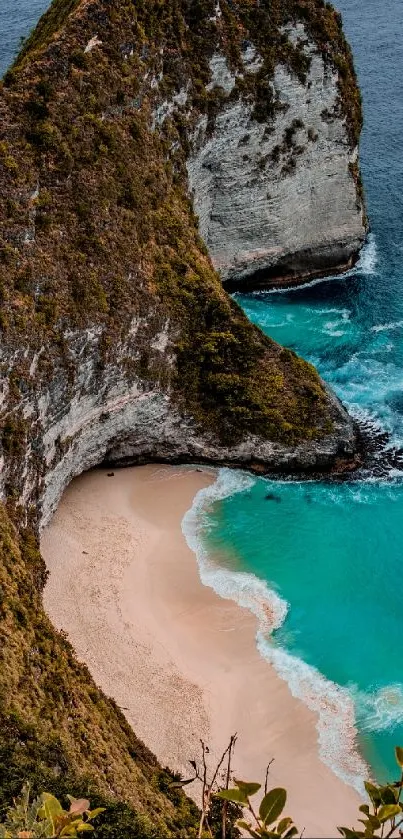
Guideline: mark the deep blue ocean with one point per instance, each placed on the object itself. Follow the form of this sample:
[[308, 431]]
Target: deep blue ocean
[[326, 558]]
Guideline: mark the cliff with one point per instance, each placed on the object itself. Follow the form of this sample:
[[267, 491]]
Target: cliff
[[277, 193], [118, 340]]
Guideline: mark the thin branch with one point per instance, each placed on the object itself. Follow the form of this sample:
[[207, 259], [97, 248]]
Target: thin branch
[[227, 777], [204, 782], [395, 827], [222, 758], [266, 783]]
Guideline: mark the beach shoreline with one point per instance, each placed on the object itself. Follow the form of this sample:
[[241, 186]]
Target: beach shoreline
[[180, 661]]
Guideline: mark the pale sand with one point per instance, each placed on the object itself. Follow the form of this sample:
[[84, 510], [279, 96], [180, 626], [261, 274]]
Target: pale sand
[[178, 659]]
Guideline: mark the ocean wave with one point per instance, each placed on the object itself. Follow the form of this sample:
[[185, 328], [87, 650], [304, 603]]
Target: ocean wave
[[333, 705], [381, 709], [344, 313], [245, 589], [368, 261], [385, 327], [330, 328]]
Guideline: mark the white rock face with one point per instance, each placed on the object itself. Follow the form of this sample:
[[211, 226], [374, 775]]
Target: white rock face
[[268, 206], [102, 416]]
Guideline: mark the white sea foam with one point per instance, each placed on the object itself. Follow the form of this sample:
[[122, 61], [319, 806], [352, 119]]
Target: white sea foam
[[245, 589], [368, 261], [344, 313], [367, 264], [333, 705], [335, 711], [382, 709], [385, 327], [330, 328]]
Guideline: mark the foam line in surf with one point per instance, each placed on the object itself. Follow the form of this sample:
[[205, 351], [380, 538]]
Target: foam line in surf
[[245, 589], [333, 705], [367, 264]]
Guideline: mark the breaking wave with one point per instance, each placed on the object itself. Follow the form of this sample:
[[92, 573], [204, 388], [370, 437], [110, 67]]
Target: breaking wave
[[334, 705]]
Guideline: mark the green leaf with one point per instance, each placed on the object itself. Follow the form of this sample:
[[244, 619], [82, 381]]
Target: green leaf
[[282, 826], [374, 793], [92, 814], [272, 805], [53, 810], [52, 802], [350, 834], [374, 822], [388, 811], [235, 795], [364, 808], [388, 795], [246, 826], [290, 833], [85, 828], [248, 789], [399, 755]]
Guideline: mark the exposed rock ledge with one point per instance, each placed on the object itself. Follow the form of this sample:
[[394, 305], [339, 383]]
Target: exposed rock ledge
[[106, 421], [278, 204]]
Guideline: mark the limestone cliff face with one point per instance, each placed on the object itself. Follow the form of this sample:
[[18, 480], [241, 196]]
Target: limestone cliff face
[[118, 341], [276, 200]]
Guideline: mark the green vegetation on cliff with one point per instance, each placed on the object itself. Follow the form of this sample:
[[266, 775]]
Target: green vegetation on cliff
[[98, 227], [97, 230]]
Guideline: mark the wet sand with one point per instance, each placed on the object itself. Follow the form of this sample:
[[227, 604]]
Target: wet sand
[[180, 661]]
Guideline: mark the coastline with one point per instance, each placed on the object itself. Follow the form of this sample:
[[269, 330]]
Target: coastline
[[180, 661]]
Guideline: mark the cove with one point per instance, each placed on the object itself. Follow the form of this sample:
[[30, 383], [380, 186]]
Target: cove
[[332, 553]]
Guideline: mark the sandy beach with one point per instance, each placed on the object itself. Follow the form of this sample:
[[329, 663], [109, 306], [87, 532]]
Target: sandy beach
[[180, 661]]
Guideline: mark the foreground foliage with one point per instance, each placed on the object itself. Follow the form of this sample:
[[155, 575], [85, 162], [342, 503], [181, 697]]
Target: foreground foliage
[[45, 817], [266, 820], [382, 817]]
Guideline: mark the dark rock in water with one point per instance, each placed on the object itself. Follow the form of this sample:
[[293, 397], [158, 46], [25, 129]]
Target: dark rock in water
[[272, 497], [111, 475]]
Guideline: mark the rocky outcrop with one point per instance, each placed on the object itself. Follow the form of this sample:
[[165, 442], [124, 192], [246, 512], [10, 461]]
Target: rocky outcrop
[[277, 201], [118, 341], [71, 426]]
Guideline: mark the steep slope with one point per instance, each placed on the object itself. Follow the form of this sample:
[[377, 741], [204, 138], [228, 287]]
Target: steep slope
[[118, 341], [57, 729], [117, 338]]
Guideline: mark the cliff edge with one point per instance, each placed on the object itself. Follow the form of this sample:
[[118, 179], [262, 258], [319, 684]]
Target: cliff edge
[[118, 341]]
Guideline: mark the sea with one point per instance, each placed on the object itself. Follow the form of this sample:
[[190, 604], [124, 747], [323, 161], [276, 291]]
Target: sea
[[320, 563]]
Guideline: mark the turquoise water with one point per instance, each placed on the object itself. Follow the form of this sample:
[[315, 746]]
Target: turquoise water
[[333, 552]]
